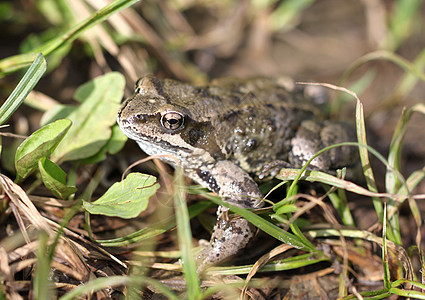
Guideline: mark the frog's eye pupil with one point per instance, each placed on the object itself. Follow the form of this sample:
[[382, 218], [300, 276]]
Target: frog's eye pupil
[[172, 120]]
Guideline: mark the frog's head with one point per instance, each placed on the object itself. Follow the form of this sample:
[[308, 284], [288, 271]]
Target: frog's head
[[155, 120]]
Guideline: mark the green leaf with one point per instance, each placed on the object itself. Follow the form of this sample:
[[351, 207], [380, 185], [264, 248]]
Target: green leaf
[[21, 91], [54, 178], [100, 100], [38, 145], [117, 140], [125, 199], [58, 111], [114, 145]]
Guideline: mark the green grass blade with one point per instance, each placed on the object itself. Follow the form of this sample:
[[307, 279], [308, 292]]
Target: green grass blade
[[27, 83], [42, 286], [282, 18], [185, 237], [358, 86], [364, 158], [393, 230], [384, 55], [412, 181], [392, 183], [405, 15], [407, 281], [407, 293], [340, 203], [409, 80], [297, 231], [318, 176], [385, 259], [113, 281], [155, 229], [289, 263], [266, 226]]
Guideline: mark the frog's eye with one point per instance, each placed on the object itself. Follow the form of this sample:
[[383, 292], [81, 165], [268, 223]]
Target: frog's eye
[[172, 120]]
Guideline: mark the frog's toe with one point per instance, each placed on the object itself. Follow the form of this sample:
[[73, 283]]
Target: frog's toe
[[205, 259], [273, 168], [229, 237]]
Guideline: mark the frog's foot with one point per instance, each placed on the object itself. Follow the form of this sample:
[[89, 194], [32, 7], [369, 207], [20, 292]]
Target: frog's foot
[[229, 236], [312, 136], [273, 168]]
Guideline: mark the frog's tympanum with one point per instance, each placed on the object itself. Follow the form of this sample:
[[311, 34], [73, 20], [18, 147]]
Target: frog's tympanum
[[224, 134]]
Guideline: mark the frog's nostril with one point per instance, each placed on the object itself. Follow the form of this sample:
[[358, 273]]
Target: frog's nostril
[[137, 118]]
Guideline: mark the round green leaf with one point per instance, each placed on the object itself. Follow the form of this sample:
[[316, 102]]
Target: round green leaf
[[54, 178], [125, 199], [92, 120], [38, 145]]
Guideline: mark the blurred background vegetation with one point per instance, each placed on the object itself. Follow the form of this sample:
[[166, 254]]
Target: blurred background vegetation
[[194, 41]]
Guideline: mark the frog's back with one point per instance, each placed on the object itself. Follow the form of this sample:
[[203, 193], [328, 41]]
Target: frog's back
[[250, 122], [254, 120], [228, 95]]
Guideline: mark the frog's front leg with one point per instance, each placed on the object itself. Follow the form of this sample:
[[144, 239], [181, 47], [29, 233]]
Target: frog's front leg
[[235, 186]]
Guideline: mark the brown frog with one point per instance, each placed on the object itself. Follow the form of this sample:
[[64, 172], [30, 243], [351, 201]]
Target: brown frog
[[223, 135]]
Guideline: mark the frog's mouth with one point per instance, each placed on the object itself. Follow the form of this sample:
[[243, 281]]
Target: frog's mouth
[[128, 129], [155, 142]]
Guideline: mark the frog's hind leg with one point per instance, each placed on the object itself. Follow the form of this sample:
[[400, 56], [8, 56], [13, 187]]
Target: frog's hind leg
[[236, 187], [227, 239]]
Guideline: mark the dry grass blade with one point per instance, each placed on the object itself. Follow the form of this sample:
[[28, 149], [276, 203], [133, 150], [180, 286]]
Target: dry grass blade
[[20, 265], [398, 251], [83, 251], [53, 202], [22, 251], [7, 272], [154, 40], [23, 203], [314, 202], [4, 266], [261, 262], [66, 251], [317, 176]]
